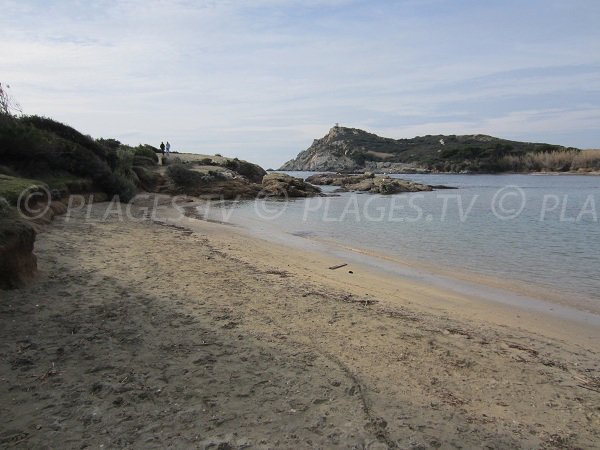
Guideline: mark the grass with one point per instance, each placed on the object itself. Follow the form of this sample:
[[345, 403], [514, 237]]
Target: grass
[[571, 160], [12, 187], [586, 160]]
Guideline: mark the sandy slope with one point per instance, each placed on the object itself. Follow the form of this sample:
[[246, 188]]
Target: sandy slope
[[140, 334]]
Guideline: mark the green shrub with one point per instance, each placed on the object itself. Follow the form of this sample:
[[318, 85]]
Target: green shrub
[[147, 152], [109, 143], [124, 161], [66, 132], [143, 161], [121, 186], [186, 178], [38, 147]]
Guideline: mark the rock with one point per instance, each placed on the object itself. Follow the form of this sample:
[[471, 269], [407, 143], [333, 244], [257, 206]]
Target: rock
[[283, 185], [331, 153], [211, 184], [253, 172], [368, 182]]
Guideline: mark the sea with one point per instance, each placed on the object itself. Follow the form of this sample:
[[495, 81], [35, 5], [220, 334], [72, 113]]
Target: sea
[[537, 232]]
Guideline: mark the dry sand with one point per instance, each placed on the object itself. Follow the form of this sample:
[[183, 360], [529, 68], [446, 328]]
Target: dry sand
[[192, 334]]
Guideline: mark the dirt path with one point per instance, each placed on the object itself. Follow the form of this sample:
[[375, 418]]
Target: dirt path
[[146, 335]]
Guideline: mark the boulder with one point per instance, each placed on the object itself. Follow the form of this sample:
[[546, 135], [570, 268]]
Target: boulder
[[252, 172], [283, 185]]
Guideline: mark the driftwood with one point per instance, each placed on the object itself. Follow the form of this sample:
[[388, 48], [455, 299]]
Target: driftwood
[[338, 266], [593, 384]]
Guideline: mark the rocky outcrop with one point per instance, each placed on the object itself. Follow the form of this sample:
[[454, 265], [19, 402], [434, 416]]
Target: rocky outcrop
[[209, 183], [221, 182], [368, 183], [17, 260], [253, 172], [331, 153], [282, 185]]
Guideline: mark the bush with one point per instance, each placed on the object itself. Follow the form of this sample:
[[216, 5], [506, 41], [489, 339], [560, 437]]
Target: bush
[[124, 162], [186, 178], [147, 152], [143, 161], [109, 143], [38, 147], [120, 185], [67, 133]]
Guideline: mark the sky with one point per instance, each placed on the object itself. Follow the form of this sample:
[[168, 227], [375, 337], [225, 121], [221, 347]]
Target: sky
[[260, 79]]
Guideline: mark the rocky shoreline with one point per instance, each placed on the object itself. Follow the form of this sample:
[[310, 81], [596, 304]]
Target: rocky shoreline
[[369, 182]]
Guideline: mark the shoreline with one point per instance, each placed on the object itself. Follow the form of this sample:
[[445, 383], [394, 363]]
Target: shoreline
[[432, 288], [592, 173], [190, 333]]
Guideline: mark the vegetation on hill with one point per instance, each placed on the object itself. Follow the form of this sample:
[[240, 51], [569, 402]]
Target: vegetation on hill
[[351, 149], [42, 148]]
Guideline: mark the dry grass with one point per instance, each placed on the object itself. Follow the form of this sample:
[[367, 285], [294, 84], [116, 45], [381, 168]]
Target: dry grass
[[587, 159], [581, 161]]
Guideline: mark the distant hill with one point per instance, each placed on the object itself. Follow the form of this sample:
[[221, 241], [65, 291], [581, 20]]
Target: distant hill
[[350, 149]]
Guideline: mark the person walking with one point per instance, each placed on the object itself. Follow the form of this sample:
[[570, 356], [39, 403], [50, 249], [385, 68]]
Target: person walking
[[168, 147], [162, 148]]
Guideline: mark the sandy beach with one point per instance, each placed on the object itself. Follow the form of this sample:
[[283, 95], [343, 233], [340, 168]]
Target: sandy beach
[[184, 333]]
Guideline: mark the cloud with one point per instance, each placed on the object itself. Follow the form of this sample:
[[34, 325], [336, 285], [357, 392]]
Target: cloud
[[262, 78]]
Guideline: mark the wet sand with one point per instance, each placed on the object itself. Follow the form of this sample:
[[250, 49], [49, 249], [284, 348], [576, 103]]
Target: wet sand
[[186, 333]]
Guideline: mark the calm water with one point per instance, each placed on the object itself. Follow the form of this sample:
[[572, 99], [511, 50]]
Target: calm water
[[539, 230]]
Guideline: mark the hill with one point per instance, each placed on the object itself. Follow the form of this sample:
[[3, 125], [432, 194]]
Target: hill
[[351, 149]]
